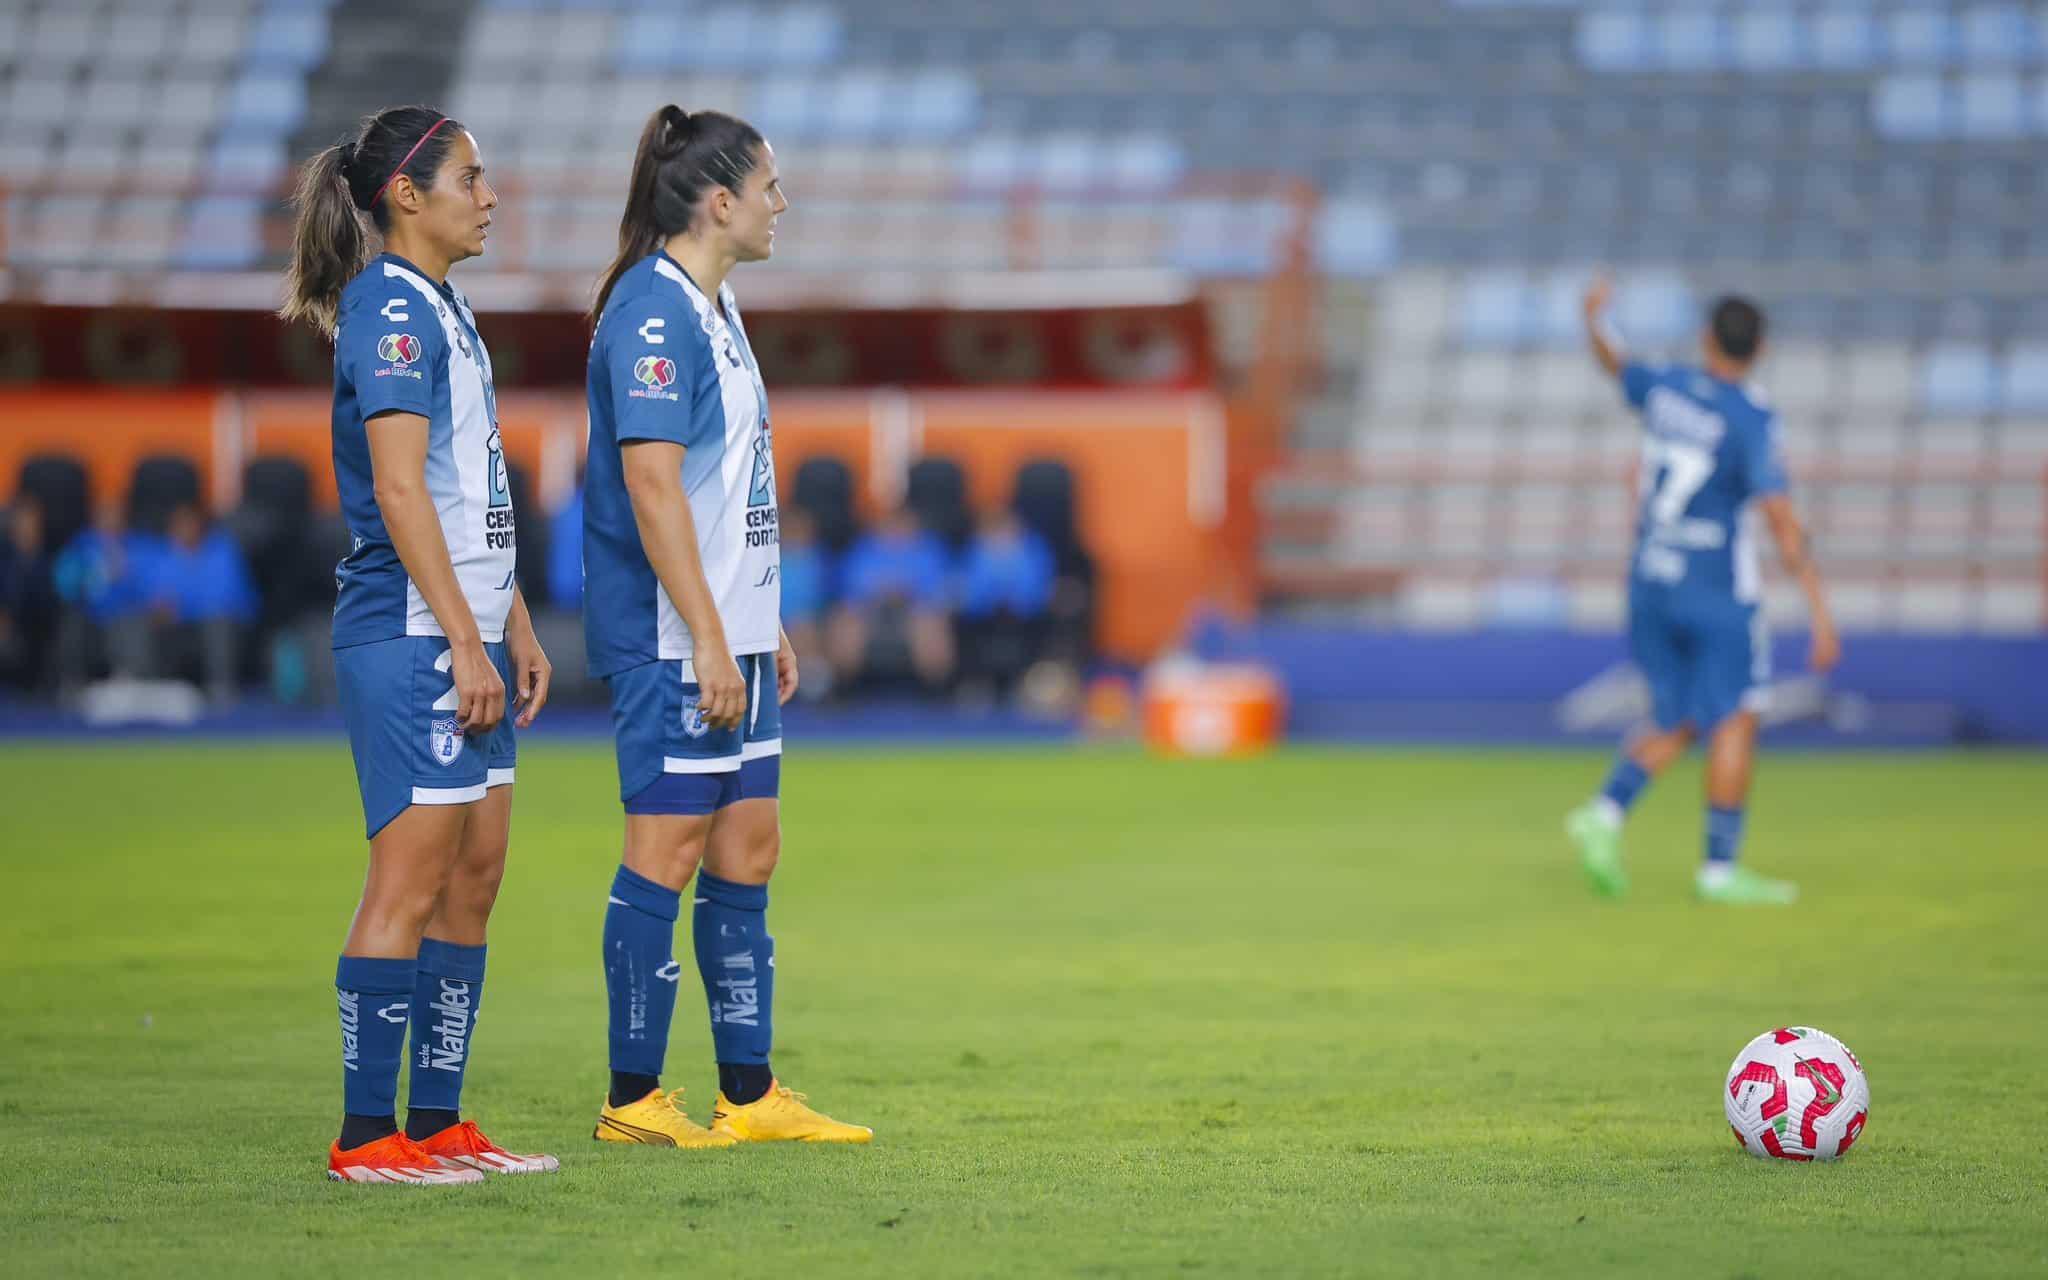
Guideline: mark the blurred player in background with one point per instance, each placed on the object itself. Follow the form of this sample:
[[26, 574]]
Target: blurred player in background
[[681, 554], [429, 628], [1696, 628]]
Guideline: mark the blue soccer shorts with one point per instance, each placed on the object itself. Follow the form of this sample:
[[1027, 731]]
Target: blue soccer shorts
[[1701, 667], [670, 761], [399, 702]]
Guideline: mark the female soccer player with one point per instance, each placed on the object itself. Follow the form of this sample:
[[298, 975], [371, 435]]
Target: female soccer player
[[429, 628], [681, 560]]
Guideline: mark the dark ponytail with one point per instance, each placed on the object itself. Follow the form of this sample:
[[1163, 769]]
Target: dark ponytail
[[330, 243], [680, 158]]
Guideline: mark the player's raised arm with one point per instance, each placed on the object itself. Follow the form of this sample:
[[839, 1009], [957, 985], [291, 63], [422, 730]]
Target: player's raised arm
[[1795, 553], [1600, 334]]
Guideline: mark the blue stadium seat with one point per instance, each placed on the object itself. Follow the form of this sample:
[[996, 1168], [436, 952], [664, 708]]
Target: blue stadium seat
[[806, 35], [2023, 379], [220, 233], [1916, 108], [1615, 40], [1998, 35], [1655, 309], [1765, 40], [288, 39], [1494, 310], [1958, 380], [1991, 105], [1691, 38], [995, 162], [1356, 238], [787, 107], [937, 104], [241, 162], [1147, 162], [858, 105], [1843, 39], [1920, 36]]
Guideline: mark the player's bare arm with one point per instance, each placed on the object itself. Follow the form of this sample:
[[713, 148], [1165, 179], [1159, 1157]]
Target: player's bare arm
[[654, 482], [529, 662], [1796, 554], [398, 458], [1600, 335]]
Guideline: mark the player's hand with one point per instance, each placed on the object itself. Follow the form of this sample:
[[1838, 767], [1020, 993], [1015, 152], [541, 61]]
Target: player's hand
[[1598, 295], [1827, 647], [479, 693], [721, 692], [532, 670], [785, 672]]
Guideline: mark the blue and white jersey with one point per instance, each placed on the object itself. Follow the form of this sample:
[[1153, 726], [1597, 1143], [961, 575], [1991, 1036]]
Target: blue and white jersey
[[1708, 448], [666, 363], [405, 344]]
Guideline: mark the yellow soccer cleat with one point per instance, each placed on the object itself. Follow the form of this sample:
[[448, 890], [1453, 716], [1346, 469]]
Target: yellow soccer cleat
[[780, 1115], [657, 1120]]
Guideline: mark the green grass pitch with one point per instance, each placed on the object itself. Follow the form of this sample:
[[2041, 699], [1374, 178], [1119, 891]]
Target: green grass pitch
[[1330, 1012]]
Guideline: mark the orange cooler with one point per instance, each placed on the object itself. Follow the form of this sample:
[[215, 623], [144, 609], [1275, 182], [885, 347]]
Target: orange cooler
[[1198, 709]]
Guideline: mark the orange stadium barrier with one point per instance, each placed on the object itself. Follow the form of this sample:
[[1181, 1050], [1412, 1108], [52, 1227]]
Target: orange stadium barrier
[[1150, 467]]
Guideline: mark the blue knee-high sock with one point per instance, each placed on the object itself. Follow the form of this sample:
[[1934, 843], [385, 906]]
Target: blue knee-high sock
[[444, 1007], [640, 972], [1625, 782], [375, 996], [736, 959], [1724, 835]]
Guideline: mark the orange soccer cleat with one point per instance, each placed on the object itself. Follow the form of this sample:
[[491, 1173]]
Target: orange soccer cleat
[[464, 1146], [395, 1158]]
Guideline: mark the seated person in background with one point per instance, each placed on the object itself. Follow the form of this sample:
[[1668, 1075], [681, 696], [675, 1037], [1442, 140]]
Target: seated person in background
[[1006, 592], [174, 606], [28, 596], [565, 554], [892, 621], [806, 592]]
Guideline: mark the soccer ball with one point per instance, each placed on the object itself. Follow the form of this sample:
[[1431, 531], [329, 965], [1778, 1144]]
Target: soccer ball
[[1796, 1093]]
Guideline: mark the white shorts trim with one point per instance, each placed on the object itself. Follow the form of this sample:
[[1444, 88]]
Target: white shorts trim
[[689, 764], [498, 778], [761, 750], [449, 795]]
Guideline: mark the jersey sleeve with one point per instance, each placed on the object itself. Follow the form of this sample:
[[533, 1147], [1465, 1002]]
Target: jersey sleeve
[[1763, 467], [1636, 380], [659, 366], [390, 347]]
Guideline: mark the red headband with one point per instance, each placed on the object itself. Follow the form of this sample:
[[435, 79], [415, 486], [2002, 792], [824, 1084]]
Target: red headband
[[408, 160]]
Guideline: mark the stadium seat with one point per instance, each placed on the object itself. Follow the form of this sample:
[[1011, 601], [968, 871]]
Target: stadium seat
[[59, 484], [1765, 40], [1494, 310], [1998, 35], [1844, 38], [1992, 105], [1920, 36], [823, 486], [2023, 379], [1957, 380], [936, 492], [1615, 40], [161, 483], [1912, 107]]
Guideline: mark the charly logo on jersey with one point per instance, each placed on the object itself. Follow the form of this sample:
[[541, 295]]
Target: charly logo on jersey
[[654, 374]]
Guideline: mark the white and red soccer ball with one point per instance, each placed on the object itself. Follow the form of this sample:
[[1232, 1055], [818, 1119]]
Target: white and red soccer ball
[[1796, 1093]]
